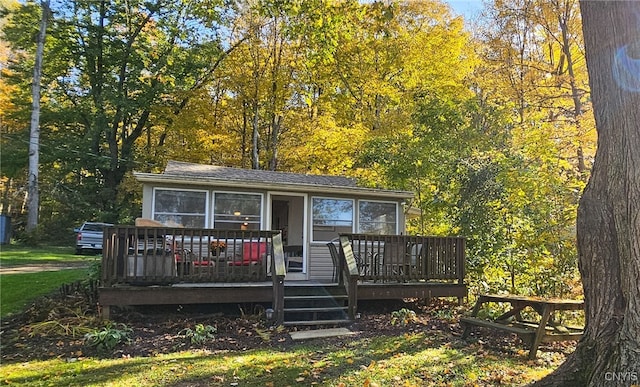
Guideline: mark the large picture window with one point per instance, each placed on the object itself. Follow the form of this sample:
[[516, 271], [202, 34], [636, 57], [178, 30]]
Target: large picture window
[[331, 217], [377, 217], [180, 207], [236, 211]]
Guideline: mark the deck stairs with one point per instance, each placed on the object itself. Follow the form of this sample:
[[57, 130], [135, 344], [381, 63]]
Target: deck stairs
[[315, 305]]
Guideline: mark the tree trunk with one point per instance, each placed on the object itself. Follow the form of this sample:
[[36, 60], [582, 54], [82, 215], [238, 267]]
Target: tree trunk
[[255, 153], [609, 212], [34, 133], [576, 93]]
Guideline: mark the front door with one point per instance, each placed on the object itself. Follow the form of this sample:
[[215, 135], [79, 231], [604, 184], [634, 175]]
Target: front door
[[288, 214]]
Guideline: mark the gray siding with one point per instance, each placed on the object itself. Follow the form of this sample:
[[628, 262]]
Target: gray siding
[[320, 262]]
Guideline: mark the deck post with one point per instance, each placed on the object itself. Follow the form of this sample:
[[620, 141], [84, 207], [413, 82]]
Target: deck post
[[460, 263], [278, 272], [351, 273], [105, 312]]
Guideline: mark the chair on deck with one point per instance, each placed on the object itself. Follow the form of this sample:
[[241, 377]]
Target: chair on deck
[[252, 262], [395, 259], [293, 258], [416, 258]]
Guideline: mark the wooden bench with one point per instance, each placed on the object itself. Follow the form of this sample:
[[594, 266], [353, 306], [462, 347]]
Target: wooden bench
[[511, 328], [532, 333], [525, 334]]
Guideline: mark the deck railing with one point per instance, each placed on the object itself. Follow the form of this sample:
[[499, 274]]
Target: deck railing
[[156, 255], [403, 258]]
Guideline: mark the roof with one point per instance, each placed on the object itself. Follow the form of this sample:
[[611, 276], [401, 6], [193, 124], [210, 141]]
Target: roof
[[255, 175], [178, 172]]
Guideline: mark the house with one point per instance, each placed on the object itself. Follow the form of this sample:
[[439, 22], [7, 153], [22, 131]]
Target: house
[[310, 210], [231, 229]]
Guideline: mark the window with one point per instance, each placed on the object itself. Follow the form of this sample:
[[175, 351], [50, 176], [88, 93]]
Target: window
[[180, 207], [331, 217], [235, 211], [377, 217]]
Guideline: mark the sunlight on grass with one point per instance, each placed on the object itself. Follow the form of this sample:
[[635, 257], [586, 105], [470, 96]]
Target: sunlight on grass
[[425, 358], [11, 255], [17, 290], [409, 361]]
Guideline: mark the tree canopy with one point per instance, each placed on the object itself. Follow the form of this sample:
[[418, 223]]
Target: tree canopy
[[490, 126]]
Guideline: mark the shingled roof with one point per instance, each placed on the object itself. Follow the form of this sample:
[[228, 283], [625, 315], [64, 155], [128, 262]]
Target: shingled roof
[[253, 175], [200, 175]]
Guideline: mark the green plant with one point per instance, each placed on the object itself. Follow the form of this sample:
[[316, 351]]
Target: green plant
[[94, 270], [444, 314], [492, 311], [108, 337], [403, 317], [199, 334]]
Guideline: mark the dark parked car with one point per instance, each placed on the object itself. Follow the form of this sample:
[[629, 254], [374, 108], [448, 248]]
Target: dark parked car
[[89, 237]]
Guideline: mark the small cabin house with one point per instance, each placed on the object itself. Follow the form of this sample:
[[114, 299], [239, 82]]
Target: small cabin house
[[309, 210]]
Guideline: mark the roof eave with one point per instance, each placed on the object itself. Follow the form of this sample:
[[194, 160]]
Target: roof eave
[[209, 181]]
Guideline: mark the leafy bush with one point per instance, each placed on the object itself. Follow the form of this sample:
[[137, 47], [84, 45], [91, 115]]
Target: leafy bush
[[493, 310], [108, 337], [403, 317], [199, 334], [94, 271]]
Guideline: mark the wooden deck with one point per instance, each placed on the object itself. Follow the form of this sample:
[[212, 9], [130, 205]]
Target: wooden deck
[[156, 266]]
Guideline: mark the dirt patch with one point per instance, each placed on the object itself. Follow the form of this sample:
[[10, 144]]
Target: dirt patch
[[54, 327]]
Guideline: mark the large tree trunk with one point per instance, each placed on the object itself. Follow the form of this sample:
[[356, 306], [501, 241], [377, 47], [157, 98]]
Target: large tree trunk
[[609, 211], [34, 133]]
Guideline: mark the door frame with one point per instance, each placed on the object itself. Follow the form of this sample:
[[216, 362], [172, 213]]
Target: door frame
[[304, 275]]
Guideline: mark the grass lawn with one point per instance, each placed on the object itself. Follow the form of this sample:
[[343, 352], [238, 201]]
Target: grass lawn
[[17, 290], [416, 359], [14, 255], [421, 357]]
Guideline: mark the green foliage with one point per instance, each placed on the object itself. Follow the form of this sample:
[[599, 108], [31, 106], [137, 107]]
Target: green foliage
[[110, 73], [264, 334], [491, 312], [445, 314], [496, 146], [199, 334], [95, 271], [109, 337], [403, 317]]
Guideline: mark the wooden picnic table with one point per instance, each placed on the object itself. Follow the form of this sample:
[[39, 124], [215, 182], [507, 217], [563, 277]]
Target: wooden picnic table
[[547, 329]]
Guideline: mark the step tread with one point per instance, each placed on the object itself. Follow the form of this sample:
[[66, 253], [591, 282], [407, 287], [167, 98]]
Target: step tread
[[315, 292], [317, 322], [313, 298], [321, 333], [316, 309]]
